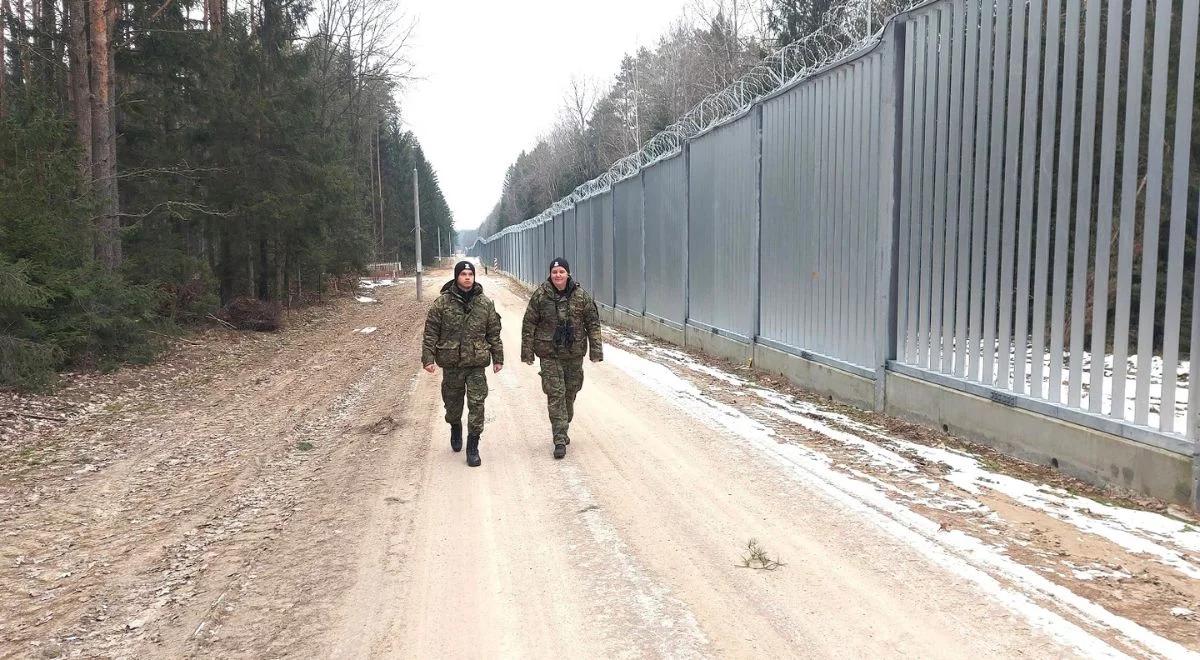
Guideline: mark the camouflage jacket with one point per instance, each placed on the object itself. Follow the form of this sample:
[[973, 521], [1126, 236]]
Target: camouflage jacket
[[462, 330], [574, 306]]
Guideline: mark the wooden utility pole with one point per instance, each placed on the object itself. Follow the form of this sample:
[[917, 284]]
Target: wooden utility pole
[[379, 189], [417, 222]]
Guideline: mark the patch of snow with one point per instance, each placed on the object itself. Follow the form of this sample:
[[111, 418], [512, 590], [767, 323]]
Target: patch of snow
[[964, 555], [365, 299], [367, 330], [1137, 531], [1096, 571], [1053, 375], [1181, 611]]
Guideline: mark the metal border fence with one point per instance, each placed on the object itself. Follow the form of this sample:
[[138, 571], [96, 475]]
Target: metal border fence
[[976, 199]]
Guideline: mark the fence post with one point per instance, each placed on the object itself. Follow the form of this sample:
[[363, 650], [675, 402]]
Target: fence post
[[642, 184], [612, 241], [887, 248], [687, 236], [756, 328]]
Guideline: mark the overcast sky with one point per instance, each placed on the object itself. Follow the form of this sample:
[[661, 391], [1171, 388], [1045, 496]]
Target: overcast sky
[[494, 75]]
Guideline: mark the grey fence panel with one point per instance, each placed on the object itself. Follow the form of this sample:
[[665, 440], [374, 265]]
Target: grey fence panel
[[798, 226], [548, 252], [585, 253], [628, 223], [536, 246], [722, 238], [559, 250], [666, 239], [1052, 205], [569, 236], [602, 243]]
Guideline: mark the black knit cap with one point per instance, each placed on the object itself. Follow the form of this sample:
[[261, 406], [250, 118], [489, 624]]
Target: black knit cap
[[461, 266], [559, 261]]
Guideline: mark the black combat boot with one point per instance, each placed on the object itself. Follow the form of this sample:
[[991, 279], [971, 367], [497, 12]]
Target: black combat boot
[[560, 450], [456, 437], [473, 450]]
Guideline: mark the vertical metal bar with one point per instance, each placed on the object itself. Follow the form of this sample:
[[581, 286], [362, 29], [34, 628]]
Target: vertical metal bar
[[854, 135], [1033, 43], [1045, 193], [953, 41], [1008, 238], [967, 64], [919, 125], [894, 76], [756, 324], [1083, 203], [940, 261], [1179, 203], [787, 213], [875, 153], [928, 258], [642, 240], [853, 176], [817, 224], [1062, 220], [799, 217], [846, 181], [687, 235], [810, 210], [828, 147], [979, 187], [861, 300], [991, 294], [1193, 418], [903, 200], [1154, 176], [838, 282], [837, 209]]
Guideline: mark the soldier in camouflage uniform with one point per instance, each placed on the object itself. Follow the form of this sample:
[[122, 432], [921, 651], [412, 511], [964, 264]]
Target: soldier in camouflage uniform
[[462, 336], [561, 325]]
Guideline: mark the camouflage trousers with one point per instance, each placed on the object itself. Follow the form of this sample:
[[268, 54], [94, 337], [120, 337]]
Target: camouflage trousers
[[561, 381], [471, 383]]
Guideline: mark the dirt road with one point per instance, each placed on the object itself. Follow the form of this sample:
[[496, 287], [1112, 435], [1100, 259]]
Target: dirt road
[[296, 496]]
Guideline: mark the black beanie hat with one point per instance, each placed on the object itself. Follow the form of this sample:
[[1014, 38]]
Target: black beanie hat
[[559, 261], [461, 266]]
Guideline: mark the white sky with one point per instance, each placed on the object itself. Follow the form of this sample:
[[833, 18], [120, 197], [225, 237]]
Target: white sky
[[494, 75]]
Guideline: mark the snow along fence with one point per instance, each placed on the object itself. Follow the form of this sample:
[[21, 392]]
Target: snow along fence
[[993, 197]]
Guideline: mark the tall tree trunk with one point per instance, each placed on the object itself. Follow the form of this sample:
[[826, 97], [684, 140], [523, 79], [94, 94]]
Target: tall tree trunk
[[46, 27], [280, 278], [23, 50], [264, 270], [214, 15], [81, 87], [104, 138], [62, 83], [3, 58]]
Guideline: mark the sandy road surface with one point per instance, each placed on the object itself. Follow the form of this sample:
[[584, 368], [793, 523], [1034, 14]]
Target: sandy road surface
[[305, 502]]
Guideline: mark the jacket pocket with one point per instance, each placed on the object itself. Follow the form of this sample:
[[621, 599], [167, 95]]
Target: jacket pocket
[[481, 353], [447, 352]]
